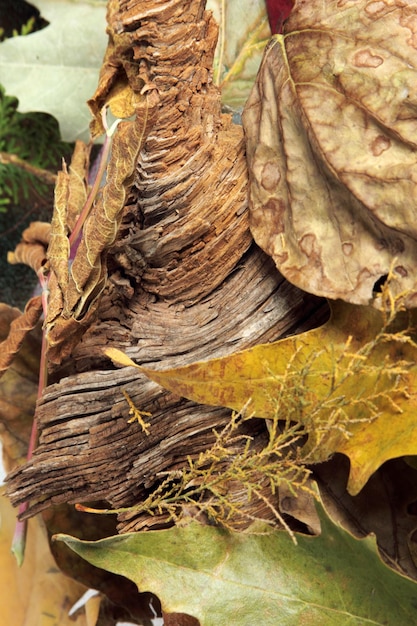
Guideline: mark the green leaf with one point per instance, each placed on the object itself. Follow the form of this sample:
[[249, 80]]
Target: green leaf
[[243, 34], [242, 579], [55, 70]]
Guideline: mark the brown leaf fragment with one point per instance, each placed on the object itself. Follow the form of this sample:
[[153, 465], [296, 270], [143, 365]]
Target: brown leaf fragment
[[31, 254], [121, 99], [331, 147], [18, 391], [59, 248], [88, 272], [19, 328], [31, 250], [119, 74], [74, 292], [37, 232]]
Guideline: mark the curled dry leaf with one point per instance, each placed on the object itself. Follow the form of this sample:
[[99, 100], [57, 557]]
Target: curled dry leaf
[[74, 292], [37, 232], [19, 328], [18, 389], [31, 254], [331, 146], [31, 250], [78, 187]]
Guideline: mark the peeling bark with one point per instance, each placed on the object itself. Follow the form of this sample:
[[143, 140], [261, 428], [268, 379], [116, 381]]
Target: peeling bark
[[186, 282]]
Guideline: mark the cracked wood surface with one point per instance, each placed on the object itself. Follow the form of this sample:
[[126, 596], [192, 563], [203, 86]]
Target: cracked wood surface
[[186, 282]]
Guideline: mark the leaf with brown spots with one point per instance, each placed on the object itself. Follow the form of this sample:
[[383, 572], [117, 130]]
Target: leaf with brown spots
[[331, 132]]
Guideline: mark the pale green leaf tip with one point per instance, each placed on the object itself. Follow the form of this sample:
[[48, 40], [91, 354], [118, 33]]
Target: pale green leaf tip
[[18, 550]]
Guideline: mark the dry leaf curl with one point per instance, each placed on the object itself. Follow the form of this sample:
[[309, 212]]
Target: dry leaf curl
[[331, 128], [19, 328]]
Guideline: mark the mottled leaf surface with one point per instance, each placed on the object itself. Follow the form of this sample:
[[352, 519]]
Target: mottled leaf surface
[[238, 579], [331, 127]]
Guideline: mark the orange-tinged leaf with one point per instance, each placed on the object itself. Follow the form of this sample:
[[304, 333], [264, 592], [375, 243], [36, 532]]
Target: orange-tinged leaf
[[20, 326], [121, 99], [37, 593], [352, 384], [31, 254], [18, 391]]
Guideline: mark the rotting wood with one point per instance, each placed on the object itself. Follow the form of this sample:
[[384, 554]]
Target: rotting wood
[[185, 283]]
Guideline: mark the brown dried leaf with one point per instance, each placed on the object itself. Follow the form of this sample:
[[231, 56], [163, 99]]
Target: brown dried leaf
[[31, 254], [59, 248], [331, 146], [70, 196], [386, 506], [88, 272], [118, 71], [31, 250], [121, 100], [19, 328], [37, 232], [18, 391], [74, 295]]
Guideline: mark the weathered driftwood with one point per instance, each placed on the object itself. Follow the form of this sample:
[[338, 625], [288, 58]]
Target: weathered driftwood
[[186, 282]]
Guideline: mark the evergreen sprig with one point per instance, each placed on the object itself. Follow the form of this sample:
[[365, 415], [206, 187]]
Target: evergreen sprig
[[30, 137]]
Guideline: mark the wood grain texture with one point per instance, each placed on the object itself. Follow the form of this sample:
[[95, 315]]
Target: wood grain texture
[[186, 281]]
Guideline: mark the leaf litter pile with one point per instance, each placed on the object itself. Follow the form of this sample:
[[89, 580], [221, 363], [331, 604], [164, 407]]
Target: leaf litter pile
[[196, 384]]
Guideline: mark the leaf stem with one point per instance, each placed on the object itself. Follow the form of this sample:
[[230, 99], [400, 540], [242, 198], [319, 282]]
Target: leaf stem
[[105, 151], [19, 538]]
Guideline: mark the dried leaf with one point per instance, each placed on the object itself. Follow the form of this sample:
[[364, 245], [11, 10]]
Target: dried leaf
[[19, 328], [121, 100], [59, 248], [330, 128], [74, 291], [31, 254], [119, 76], [355, 394], [31, 250], [386, 507], [18, 392], [37, 232], [101, 227]]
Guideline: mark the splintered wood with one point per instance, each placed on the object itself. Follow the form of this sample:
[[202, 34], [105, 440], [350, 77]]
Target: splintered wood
[[185, 280]]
